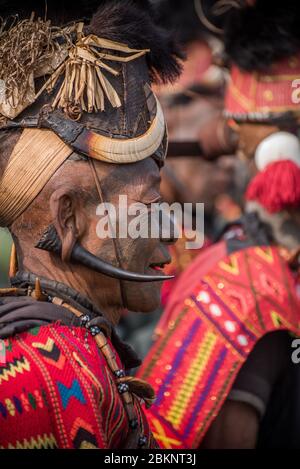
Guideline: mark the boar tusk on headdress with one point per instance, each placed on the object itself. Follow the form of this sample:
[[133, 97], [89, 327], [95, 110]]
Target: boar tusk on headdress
[[109, 149]]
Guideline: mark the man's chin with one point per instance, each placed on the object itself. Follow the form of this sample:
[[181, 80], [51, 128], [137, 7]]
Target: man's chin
[[146, 302]]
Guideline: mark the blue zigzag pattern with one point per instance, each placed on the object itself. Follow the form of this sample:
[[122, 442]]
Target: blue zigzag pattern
[[74, 391]]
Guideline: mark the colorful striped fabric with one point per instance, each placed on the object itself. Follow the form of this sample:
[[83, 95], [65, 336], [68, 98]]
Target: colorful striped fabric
[[57, 391]]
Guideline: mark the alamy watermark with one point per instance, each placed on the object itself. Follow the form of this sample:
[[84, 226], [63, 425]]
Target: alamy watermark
[[296, 353], [155, 220]]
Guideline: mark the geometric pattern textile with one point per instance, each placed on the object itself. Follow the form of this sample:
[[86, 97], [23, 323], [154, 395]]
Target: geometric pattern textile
[[56, 391]]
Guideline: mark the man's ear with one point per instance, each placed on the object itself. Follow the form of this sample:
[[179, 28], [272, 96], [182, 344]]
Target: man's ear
[[68, 219]]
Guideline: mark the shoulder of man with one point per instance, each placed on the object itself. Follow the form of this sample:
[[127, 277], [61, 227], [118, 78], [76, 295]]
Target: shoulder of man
[[57, 382]]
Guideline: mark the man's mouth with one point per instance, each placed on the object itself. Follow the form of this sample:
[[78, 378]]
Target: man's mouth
[[159, 266]]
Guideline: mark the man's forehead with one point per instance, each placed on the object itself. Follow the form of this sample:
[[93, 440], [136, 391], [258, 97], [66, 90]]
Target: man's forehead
[[144, 174]]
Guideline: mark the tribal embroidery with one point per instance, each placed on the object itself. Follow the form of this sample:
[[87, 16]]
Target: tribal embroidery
[[76, 405], [39, 442], [12, 369], [82, 435], [15, 406], [51, 353], [67, 393]]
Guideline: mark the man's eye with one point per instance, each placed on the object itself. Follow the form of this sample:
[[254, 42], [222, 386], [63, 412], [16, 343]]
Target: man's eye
[[154, 200]]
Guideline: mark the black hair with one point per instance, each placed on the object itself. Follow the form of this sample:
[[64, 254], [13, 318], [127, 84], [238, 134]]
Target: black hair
[[125, 21], [257, 36], [180, 17]]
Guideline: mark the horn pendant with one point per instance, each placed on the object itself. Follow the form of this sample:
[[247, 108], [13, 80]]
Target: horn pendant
[[50, 242]]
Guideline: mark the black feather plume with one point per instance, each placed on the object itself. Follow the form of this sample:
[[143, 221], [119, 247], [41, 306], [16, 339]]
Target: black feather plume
[[257, 36], [126, 21]]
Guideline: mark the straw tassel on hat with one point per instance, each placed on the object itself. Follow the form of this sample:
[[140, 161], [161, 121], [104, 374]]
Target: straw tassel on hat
[[277, 184]]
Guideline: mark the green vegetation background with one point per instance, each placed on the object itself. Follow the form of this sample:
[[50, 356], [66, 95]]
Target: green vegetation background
[[5, 247]]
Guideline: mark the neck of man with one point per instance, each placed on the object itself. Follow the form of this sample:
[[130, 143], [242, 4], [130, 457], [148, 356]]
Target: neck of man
[[285, 229], [95, 287]]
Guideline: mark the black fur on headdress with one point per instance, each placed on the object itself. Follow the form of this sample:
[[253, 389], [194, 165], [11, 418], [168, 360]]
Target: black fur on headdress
[[126, 21], [257, 36]]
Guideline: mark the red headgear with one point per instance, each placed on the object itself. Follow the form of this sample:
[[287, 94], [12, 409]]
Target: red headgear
[[259, 96]]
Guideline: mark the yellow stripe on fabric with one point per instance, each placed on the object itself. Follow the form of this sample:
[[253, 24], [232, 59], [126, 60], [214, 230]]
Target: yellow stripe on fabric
[[45, 441], [191, 380]]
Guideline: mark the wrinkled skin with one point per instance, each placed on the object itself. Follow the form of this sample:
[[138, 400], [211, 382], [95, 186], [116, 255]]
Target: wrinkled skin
[[69, 201]]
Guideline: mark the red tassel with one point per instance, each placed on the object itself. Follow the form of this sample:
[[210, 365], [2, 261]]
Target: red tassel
[[277, 187]]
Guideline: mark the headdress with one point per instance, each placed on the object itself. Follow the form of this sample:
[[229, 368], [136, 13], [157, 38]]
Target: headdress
[[264, 96], [262, 41], [81, 88]]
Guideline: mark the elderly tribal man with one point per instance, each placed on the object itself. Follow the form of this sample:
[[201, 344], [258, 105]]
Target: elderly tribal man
[[79, 126], [223, 365]]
